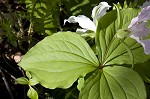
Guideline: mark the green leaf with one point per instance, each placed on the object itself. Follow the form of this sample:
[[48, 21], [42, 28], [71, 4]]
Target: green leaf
[[90, 89], [119, 19], [22, 80], [80, 83], [58, 60], [32, 94], [110, 49], [114, 83], [121, 33], [28, 75], [33, 82]]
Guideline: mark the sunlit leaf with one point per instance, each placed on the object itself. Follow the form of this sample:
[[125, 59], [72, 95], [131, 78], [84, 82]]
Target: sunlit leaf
[[110, 49], [22, 80], [32, 94], [33, 82], [58, 60], [114, 83]]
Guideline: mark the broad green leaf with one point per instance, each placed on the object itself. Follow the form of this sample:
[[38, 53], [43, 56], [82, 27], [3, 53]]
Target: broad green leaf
[[22, 80], [114, 83], [58, 60], [110, 49], [90, 89], [32, 94]]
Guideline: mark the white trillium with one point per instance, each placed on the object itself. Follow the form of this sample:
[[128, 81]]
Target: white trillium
[[139, 28], [85, 22], [99, 11]]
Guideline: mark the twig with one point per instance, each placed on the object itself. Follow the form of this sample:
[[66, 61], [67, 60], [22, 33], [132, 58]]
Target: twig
[[6, 84], [2, 17], [13, 77], [30, 31]]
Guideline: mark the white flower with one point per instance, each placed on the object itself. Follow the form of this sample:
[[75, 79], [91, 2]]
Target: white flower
[[85, 22], [99, 11], [139, 29]]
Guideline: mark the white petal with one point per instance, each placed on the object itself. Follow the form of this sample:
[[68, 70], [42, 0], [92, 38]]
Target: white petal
[[146, 45], [94, 11], [140, 30], [71, 19], [83, 21], [145, 14], [100, 10], [81, 30], [134, 21]]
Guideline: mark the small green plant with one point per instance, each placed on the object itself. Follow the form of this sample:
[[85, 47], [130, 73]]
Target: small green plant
[[31, 82]]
